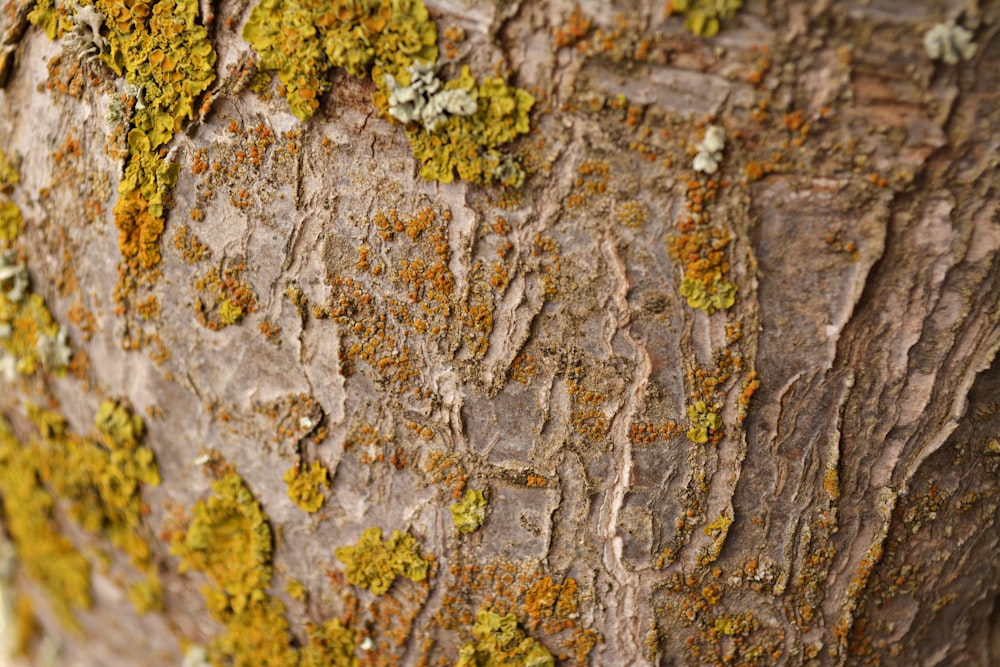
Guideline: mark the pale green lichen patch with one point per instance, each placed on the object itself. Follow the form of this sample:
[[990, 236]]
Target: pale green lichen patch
[[702, 16], [468, 513], [304, 485], [467, 145], [374, 564], [502, 643]]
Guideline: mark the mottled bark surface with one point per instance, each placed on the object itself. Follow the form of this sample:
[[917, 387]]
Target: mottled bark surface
[[420, 338]]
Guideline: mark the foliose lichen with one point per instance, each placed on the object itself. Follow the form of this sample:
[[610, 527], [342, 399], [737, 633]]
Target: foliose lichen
[[374, 564], [304, 485], [949, 42], [705, 421], [454, 127], [710, 150], [502, 643], [702, 16], [468, 513]]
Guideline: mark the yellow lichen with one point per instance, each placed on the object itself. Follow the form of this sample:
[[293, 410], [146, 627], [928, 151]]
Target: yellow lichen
[[46, 554], [502, 643], [705, 422], [303, 485], [468, 513], [702, 16], [374, 564], [10, 222]]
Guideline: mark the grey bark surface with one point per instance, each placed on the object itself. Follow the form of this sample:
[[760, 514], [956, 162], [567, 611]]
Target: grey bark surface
[[862, 482]]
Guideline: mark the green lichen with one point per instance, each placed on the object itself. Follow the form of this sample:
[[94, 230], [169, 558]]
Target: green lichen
[[705, 422], [374, 564], [46, 555], [702, 16], [502, 643], [468, 513], [229, 523], [303, 485]]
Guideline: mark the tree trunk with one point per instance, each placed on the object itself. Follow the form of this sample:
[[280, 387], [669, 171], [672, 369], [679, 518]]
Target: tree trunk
[[720, 366]]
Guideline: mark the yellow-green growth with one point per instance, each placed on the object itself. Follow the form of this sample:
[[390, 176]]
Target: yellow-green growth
[[229, 539], [8, 174], [146, 595], [502, 643], [10, 222], [162, 50], [717, 529], [45, 16], [329, 644], [27, 327], [101, 481], [719, 294], [705, 422], [47, 556], [468, 145], [303, 485], [301, 40], [702, 16], [468, 513], [374, 564], [295, 589], [229, 312]]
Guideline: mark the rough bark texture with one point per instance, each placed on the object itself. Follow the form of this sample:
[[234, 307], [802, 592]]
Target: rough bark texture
[[420, 339]]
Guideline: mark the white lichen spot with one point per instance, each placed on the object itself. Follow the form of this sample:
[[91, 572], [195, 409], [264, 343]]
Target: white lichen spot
[[948, 42], [710, 150], [14, 280], [306, 424], [84, 39], [424, 101], [8, 367], [54, 350], [196, 656], [367, 644]]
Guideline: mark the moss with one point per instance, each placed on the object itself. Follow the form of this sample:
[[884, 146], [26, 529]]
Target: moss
[[702, 16], [374, 564], [502, 643], [303, 486], [468, 513], [48, 557]]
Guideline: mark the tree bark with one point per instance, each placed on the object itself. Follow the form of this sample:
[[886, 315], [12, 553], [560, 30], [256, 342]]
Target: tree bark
[[800, 472]]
